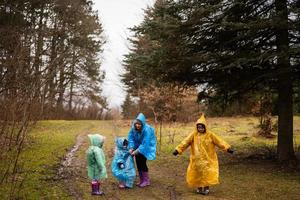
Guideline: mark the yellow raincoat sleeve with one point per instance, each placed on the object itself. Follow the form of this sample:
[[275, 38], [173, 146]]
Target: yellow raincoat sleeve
[[185, 143], [219, 142]]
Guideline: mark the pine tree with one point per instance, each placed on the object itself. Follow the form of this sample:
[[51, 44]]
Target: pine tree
[[233, 47]]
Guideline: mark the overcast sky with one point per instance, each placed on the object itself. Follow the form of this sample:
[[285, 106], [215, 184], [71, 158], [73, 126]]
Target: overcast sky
[[116, 17]]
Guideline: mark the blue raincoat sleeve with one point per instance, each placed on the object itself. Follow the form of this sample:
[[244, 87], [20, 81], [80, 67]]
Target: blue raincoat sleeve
[[148, 145], [131, 140]]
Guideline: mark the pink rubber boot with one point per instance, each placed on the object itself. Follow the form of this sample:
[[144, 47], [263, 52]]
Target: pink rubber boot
[[96, 188]]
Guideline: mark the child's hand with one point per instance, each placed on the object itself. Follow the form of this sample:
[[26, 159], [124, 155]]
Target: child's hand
[[230, 151], [175, 152]]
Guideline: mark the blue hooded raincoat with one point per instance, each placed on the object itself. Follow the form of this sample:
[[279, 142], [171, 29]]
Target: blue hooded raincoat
[[126, 173], [144, 141]]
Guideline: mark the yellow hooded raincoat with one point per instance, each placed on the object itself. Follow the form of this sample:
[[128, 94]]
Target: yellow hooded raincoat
[[203, 169]]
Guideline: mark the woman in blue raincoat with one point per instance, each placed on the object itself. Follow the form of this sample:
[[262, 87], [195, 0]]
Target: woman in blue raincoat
[[142, 145], [123, 165]]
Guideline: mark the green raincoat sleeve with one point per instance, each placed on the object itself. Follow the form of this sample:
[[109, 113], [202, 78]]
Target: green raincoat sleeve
[[100, 160]]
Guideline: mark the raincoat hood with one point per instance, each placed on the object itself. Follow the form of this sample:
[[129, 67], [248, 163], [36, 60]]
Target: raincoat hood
[[141, 117], [120, 142], [96, 140], [201, 120]]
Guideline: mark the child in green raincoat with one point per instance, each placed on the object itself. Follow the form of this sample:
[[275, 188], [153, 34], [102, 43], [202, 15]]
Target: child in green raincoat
[[96, 162], [203, 169]]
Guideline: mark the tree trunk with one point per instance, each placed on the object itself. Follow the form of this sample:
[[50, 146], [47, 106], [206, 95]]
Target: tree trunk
[[72, 77], [38, 53], [285, 149], [71, 93], [61, 91], [50, 88], [160, 133]]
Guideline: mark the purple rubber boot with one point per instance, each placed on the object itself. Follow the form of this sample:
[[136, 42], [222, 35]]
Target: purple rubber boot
[[146, 180], [141, 178], [96, 188]]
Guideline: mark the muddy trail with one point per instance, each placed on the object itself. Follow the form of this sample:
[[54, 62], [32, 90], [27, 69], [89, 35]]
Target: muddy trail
[[72, 172], [68, 170]]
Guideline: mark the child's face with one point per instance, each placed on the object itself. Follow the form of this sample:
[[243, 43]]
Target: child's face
[[125, 144], [200, 128]]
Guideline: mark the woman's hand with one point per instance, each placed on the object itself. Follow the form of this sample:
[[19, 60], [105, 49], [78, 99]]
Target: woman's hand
[[133, 153]]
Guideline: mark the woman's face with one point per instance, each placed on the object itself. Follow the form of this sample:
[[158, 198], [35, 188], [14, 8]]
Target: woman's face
[[138, 126], [200, 128]]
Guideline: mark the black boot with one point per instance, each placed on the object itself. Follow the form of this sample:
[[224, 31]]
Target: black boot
[[199, 190], [205, 191]]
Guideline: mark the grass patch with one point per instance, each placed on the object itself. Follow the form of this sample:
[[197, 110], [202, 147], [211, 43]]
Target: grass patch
[[48, 142]]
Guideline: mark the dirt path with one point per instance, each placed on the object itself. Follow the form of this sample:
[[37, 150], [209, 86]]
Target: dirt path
[[73, 172], [68, 169]]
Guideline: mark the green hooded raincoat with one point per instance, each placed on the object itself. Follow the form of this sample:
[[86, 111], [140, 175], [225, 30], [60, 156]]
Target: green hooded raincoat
[[96, 158]]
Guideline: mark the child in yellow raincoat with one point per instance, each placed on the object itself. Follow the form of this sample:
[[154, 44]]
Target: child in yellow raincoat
[[203, 169]]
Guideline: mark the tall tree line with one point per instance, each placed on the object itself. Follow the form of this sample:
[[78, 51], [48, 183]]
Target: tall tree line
[[55, 46], [49, 69], [231, 48]]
